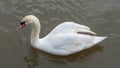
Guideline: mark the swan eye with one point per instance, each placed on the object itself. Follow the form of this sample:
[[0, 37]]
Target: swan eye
[[22, 23]]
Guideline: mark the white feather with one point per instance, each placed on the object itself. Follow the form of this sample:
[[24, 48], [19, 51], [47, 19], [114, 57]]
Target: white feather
[[64, 39]]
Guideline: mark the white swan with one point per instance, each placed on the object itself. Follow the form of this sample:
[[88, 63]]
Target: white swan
[[67, 38]]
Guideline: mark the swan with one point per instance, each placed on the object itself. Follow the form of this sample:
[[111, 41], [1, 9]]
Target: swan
[[65, 39]]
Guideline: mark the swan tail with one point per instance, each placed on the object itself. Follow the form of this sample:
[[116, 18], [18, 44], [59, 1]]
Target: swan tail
[[98, 39]]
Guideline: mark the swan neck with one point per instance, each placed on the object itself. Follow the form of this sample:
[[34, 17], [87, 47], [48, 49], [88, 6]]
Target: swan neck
[[35, 31]]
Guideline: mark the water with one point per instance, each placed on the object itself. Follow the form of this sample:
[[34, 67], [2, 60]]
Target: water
[[102, 16]]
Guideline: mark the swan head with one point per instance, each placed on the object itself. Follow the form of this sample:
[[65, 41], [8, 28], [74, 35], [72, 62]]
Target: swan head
[[29, 19]]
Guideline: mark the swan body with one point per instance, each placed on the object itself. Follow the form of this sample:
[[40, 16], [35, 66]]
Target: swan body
[[65, 39]]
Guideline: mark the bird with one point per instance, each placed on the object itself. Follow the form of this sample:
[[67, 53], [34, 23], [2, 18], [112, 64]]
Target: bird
[[65, 39]]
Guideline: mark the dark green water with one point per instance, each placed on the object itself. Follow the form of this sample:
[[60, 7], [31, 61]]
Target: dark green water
[[102, 16]]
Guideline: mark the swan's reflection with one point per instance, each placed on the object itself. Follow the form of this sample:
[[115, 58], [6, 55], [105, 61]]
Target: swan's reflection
[[39, 57]]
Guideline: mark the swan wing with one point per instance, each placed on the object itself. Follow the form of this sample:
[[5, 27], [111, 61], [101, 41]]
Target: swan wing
[[70, 27], [65, 44]]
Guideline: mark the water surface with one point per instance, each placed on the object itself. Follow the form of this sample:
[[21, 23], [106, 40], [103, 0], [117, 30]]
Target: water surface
[[102, 16]]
